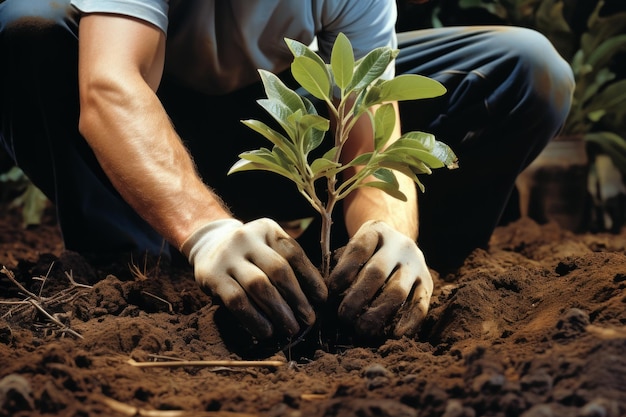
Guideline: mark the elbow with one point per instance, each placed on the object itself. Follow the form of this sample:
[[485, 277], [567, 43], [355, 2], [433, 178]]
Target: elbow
[[99, 100]]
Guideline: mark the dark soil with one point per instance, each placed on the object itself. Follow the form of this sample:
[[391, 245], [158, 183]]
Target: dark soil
[[532, 327]]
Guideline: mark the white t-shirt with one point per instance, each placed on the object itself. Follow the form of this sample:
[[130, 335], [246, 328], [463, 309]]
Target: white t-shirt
[[217, 46]]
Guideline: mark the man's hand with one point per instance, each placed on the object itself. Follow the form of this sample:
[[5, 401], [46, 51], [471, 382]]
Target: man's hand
[[260, 273], [384, 280]]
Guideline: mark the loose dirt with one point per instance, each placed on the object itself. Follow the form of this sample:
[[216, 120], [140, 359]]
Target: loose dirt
[[533, 327]]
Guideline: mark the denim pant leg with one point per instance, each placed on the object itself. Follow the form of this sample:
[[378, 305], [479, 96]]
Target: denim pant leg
[[509, 93], [39, 112]]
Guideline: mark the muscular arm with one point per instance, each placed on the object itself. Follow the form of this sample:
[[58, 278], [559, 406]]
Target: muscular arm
[[120, 67], [368, 203]]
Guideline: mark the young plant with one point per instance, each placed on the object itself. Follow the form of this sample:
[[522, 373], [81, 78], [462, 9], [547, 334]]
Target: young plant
[[350, 89]]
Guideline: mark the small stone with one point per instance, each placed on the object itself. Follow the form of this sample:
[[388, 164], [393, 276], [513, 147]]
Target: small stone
[[600, 407], [455, 408], [376, 370], [542, 410]]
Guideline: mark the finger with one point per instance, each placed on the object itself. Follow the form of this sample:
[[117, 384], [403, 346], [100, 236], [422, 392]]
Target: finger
[[260, 289], [309, 277], [368, 283], [413, 312], [283, 278], [381, 312], [237, 302], [360, 248]]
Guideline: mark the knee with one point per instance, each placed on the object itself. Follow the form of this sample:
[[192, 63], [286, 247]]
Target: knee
[[547, 80], [35, 18]]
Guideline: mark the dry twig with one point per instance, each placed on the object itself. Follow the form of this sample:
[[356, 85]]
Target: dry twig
[[131, 411], [42, 304], [227, 363]]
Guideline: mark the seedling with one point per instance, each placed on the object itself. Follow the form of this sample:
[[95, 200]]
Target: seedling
[[351, 89]]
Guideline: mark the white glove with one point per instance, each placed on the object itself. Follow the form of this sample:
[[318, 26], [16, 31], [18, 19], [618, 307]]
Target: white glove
[[384, 280], [260, 274]]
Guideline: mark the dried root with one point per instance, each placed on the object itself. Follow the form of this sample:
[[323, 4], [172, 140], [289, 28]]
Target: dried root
[[43, 305]]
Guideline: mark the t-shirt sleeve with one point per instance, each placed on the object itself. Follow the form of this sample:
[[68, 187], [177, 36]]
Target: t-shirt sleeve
[[368, 24], [151, 11]]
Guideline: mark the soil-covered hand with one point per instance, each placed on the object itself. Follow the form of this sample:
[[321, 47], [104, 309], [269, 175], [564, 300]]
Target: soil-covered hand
[[385, 283], [260, 274]]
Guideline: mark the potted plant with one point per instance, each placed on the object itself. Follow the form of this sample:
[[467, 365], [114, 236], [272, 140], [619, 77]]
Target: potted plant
[[578, 181]]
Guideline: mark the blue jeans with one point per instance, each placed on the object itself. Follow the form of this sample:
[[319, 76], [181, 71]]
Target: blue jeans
[[508, 94]]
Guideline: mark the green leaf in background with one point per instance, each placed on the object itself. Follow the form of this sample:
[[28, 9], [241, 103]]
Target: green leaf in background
[[610, 144], [32, 200], [602, 55], [342, 61], [612, 98]]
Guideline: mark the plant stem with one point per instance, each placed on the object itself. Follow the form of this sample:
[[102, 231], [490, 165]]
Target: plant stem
[[327, 222]]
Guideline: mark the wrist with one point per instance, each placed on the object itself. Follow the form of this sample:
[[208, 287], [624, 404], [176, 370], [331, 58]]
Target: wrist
[[208, 235]]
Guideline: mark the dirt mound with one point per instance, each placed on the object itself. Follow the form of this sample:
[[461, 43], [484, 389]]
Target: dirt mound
[[532, 327]]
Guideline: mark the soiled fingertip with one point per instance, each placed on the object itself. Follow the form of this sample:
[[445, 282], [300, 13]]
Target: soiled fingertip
[[370, 325], [306, 315], [409, 324], [261, 330]]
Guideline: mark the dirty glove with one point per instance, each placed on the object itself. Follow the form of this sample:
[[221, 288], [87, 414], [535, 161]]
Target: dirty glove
[[260, 273], [385, 282]]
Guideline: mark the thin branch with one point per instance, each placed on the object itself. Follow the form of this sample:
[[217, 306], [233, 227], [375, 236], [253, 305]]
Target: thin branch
[[56, 321], [231, 363], [44, 279], [70, 276], [11, 277], [156, 297], [131, 411]]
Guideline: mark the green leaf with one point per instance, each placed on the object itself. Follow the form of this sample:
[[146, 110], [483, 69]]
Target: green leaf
[[610, 144], [273, 136], [445, 154], [371, 67], [612, 98], [362, 159], [410, 87], [412, 155], [323, 167], [342, 61], [276, 90], [420, 140], [606, 51], [423, 146], [385, 175], [263, 159], [312, 77], [312, 129], [384, 124], [282, 114], [390, 189], [299, 49]]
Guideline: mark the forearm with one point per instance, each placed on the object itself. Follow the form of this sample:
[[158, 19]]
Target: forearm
[[372, 204], [368, 203], [141, 154]]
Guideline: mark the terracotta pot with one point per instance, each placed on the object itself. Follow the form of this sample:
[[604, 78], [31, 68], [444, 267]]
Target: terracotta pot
[[553, 188]]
